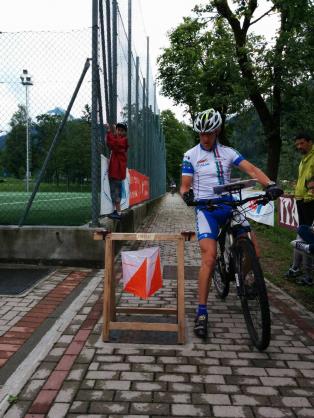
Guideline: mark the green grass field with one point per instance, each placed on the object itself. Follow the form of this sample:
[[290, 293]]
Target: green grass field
[[49, 208]]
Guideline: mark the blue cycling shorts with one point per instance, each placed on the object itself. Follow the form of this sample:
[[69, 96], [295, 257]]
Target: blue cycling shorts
[[209, 222]]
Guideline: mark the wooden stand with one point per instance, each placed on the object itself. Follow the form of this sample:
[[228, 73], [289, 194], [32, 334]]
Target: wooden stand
[[109, 305]]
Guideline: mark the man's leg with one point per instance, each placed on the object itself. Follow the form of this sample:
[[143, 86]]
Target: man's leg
[[208, 259], [208, 253]]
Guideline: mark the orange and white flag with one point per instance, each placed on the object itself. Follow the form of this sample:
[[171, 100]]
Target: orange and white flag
[[142, 274]]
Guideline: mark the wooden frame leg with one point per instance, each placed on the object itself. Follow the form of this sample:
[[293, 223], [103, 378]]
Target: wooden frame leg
[[180, 291], [107, 298]]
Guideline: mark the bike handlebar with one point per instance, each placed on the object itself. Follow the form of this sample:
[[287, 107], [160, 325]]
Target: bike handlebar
[[262, 199]]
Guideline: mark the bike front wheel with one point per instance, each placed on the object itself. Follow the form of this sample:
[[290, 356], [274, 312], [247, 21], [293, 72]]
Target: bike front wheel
[[253, 293], [220, 276]]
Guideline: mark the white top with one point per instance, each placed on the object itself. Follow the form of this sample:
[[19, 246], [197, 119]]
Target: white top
[[209, 168]]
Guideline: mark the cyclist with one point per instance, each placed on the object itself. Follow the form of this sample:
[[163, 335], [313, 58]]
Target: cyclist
[[205, 166]]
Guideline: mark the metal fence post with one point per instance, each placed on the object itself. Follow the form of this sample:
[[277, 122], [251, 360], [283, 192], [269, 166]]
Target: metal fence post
[[130, 124], [94, 139], [136, 119], [114, 59]]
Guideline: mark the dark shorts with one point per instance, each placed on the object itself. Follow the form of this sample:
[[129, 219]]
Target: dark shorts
[[115, 190], [305, 212]]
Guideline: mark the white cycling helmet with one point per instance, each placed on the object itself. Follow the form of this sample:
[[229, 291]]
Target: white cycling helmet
[[207, 121]]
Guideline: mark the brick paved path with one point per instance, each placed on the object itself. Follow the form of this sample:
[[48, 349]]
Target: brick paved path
[[67, 371]]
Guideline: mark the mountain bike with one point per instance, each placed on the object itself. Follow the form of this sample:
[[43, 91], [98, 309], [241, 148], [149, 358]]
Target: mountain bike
[[237, 262]]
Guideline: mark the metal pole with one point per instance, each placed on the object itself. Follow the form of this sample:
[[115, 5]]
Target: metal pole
[[109, 55], [147, 72], [104, 60], [144, 128], [130, 130], [27, 140], [94, 139], [136, 130], [54, 143], [114, 58]]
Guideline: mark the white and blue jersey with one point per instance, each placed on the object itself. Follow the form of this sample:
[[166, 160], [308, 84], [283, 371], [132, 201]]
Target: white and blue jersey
[[210, 169]]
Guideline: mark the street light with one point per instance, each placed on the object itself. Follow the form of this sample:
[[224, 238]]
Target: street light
[[26, 80]]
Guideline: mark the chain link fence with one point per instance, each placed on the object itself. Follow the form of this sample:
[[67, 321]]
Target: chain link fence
[[52, 115]]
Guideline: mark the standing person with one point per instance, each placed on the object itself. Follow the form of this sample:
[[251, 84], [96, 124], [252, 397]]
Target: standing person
[[117, 143], [304, 195], [205, 166]]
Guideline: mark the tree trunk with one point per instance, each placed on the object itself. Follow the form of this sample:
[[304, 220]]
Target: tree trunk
[[273, 152]]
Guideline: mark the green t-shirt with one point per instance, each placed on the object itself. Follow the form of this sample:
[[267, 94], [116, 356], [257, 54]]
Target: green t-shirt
[[306, 175]]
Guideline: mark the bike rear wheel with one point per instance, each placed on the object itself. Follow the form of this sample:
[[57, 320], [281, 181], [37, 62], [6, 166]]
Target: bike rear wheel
[[220, 276], [254, 299]]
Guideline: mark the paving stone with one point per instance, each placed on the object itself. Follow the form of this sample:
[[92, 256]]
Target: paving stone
[[183, 410], [113, 384], [211, 399], [268, 412], [210, 388], [108, 408], [18, 410], [133, 396], [184, 387], [171, 360], [115, 366], [94, 395], [150, 386], [278, 381], [232, 411], [31, 389], [282, 372], [67, 392], [216, 370], [172, 397], [140, 359], [181, 369], [249, 400], [261, 390], [155, 368], [305, 413], [150, 408], [58, 410], [215, 378]]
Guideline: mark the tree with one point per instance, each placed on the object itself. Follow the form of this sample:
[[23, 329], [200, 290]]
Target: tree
[[14, 153], [268, 72], [198, 70], [281, 62], [178, 139]]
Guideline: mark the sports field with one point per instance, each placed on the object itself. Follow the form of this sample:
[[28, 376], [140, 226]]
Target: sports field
[[49, 208]]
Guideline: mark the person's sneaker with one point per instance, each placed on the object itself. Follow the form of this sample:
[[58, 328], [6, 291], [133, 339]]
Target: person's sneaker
[[305, 281], [301, 245], [293, 273], [200, 327], [114, 215]]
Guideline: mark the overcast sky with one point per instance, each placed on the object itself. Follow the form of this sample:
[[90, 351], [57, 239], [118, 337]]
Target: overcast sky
[[153, 18]]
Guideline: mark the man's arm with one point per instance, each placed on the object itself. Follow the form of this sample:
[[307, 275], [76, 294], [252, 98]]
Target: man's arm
[[255, 173], [186, 183]]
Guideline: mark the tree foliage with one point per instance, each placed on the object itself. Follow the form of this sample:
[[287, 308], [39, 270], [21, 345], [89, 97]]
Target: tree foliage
[[178, 138], [70, 161], [239, 67]]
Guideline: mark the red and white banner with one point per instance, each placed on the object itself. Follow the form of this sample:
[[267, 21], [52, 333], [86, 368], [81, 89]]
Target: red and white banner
[[139, 187], [287, 212]]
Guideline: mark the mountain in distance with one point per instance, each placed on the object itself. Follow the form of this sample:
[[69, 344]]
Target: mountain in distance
[[58, 111]]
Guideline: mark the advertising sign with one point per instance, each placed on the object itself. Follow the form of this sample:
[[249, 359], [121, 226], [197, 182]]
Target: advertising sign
[[287, 212]]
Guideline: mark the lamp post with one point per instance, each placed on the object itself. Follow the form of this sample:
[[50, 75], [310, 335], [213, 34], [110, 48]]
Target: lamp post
[[26, 81]]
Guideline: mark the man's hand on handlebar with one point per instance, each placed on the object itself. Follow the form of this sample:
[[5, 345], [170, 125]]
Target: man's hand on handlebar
[[188, 197], [273, 192]]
